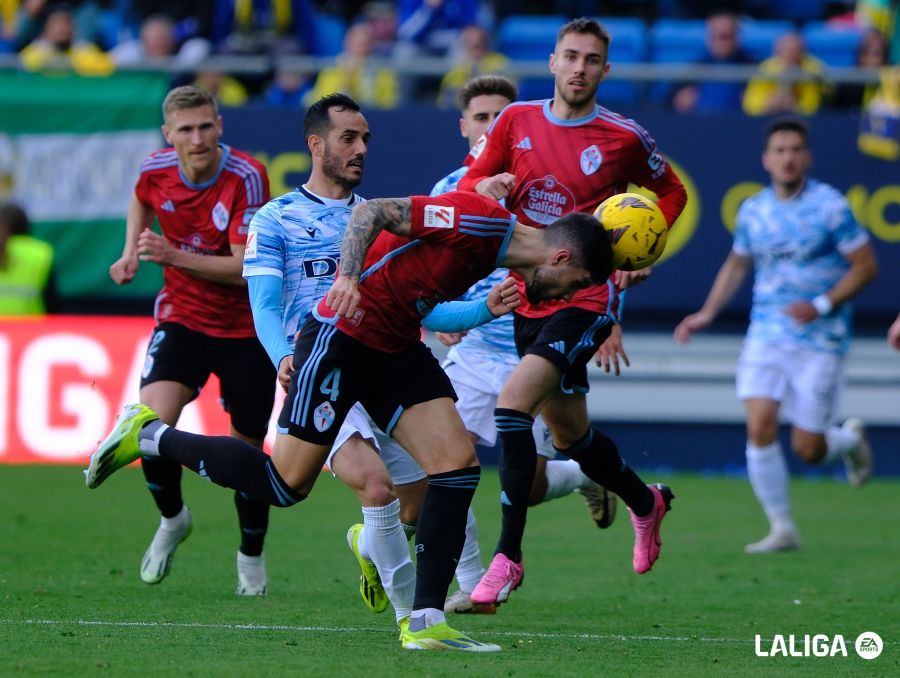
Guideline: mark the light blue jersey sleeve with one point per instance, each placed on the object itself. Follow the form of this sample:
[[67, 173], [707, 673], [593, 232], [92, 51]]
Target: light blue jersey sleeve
[[265, 302], [458, 316]]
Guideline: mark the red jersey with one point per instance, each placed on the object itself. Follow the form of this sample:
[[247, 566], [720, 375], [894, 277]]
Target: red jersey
[[564, 166], [456, 239], [205, 219]]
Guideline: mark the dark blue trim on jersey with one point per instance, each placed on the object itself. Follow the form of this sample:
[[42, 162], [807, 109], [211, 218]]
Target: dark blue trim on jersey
[[393, 422], [226, 153], [626, 123], [505, 244], [387, 257], [569, 123], [317, 199]]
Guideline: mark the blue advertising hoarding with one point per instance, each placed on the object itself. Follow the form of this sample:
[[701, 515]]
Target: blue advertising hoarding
[[717, 157]]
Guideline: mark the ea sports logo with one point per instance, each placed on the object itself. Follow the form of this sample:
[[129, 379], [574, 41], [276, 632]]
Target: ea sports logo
[[869, 645]]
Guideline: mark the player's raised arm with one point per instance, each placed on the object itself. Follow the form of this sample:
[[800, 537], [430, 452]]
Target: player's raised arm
[[366, 222]]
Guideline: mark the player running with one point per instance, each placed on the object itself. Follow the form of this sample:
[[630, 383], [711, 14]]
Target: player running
[[547, 159], [204, 194]]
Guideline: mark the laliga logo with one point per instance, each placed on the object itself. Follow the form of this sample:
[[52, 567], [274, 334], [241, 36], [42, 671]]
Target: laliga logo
[[868, 646]]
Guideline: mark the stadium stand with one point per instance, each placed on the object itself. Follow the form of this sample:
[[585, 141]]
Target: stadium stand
[[836, 46]]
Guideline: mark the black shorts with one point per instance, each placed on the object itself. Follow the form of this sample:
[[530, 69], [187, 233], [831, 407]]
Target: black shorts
[[337, 371], [246, 375], [568, 339]]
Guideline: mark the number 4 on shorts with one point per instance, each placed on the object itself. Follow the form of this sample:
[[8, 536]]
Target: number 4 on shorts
[[331, 383]]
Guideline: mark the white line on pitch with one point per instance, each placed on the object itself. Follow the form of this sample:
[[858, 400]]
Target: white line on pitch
[[346, 629]]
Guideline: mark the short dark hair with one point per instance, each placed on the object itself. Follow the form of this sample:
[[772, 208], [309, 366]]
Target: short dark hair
[[788, 123], [486, 85], [585, 25], [586, 239], [317, 121], [15, 218]]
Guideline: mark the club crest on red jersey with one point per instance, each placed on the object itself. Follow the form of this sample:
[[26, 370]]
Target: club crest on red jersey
[[220, 216], [546, 200], [591, 158]]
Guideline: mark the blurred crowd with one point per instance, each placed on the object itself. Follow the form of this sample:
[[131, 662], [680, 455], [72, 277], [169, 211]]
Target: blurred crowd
[[362, 44]]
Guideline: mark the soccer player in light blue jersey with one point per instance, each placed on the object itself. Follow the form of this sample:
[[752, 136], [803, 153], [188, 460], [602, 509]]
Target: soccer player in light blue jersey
[[480, 361], [811, 259], [290, 263]]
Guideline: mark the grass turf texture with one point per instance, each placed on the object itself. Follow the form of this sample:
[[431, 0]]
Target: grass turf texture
[[73, 603]]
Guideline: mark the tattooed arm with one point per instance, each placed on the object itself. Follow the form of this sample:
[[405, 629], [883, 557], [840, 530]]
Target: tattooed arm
[[366, 222]]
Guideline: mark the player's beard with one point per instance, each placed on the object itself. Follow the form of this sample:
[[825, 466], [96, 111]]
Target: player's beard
[[576, 102], [535, 290], [334, 168]]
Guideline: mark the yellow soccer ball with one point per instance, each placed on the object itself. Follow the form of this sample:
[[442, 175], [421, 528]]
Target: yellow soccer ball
[[636, 228]]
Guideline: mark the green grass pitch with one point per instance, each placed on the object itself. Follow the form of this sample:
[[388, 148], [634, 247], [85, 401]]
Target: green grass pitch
[[73, 604]]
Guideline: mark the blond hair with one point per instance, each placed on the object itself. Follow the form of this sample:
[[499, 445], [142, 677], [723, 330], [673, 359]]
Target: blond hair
[[187, 96]]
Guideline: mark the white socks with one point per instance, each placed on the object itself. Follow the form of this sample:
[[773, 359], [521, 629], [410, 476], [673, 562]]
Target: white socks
[[838, 442], [177, 521], [383, 542], [469, 570], [563, 478], [768, 474], [426, 618]]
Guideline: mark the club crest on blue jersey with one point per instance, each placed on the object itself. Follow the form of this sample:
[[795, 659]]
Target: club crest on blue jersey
[[591, 158], [323, 417], [220, 216]]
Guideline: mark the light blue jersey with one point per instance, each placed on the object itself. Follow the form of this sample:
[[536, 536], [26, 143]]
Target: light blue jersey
[[296, 237], [449, 182], [798, 248], [495, 337]]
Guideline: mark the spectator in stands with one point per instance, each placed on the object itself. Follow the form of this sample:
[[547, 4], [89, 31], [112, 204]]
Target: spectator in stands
[[158, 40], [382, 20], [475, 58], [57, 47], [722, 48], [287, 89], [354, 74], [872, 53], [228, 91], [264, 27], [767, 95], [26, 266], [31, 16], [432, 27]]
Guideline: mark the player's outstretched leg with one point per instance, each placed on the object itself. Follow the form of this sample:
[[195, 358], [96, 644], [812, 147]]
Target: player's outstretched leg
[[121, 446], [441, 637], [157, 560], [370, 587], [646, 529]]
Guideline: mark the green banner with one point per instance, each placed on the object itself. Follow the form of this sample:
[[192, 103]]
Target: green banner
[[70, 149]]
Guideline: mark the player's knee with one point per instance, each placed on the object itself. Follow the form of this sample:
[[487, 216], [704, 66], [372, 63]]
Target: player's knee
[[377, 492], [761, 433]]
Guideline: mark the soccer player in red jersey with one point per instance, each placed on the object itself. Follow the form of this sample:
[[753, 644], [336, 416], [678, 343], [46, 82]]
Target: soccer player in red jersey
[[548, 159], [203, 194], [364, 346]]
